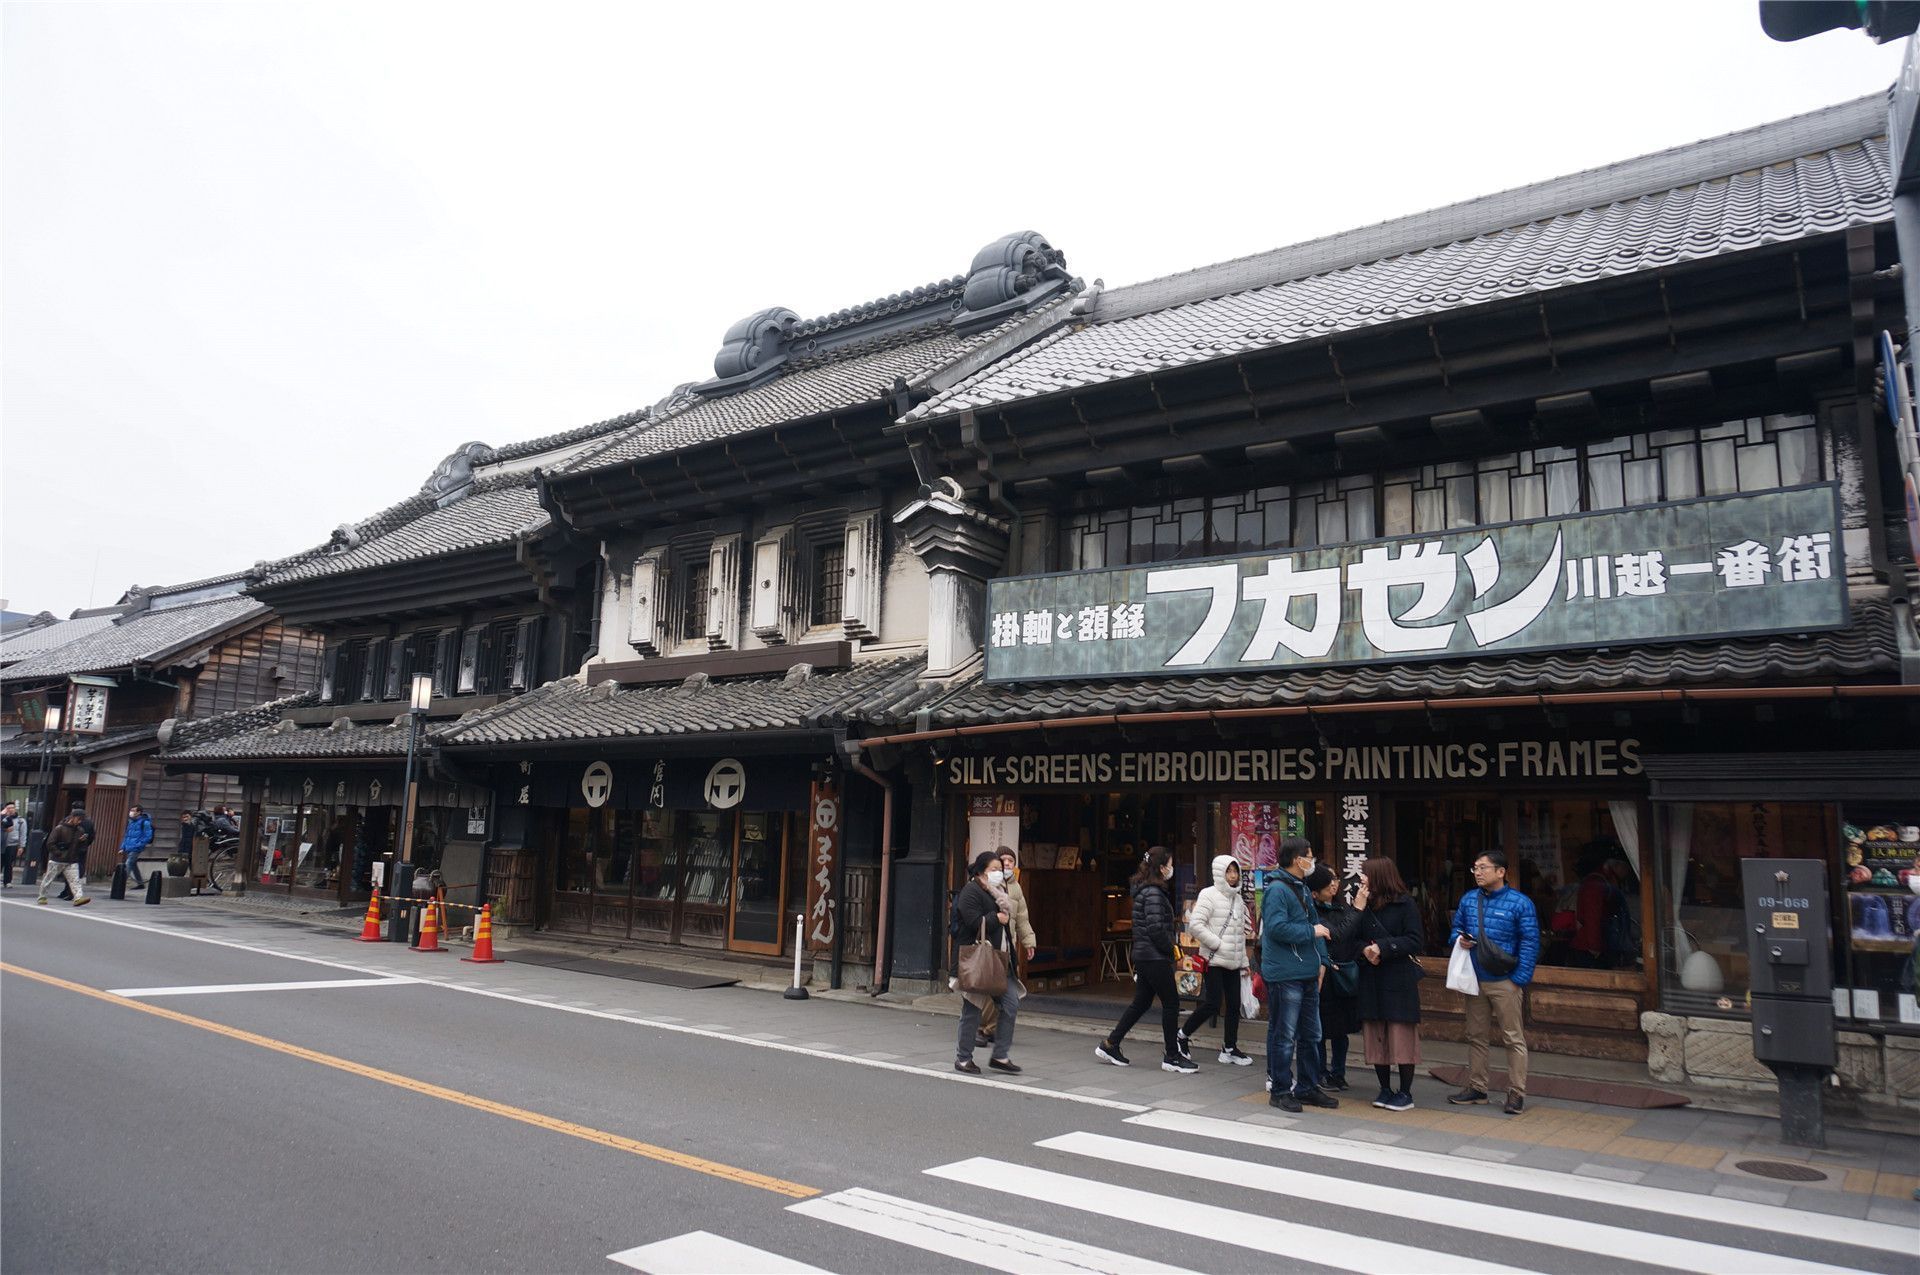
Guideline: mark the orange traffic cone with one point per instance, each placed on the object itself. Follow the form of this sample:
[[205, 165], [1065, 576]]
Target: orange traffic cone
[[430, 930], [483, 939], [370, 927]]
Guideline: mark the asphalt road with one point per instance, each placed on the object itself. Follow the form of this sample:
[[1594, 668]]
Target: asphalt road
[[407, 1126]]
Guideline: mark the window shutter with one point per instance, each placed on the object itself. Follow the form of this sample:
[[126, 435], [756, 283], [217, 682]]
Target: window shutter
[[723, 584], [372, 676], [393, 677], [446, 666], [469, 662], [772, 581], [526, 652], [860, 602], [647, 615]]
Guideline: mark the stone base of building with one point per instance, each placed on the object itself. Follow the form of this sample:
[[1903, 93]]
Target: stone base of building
[[1880, 1073]]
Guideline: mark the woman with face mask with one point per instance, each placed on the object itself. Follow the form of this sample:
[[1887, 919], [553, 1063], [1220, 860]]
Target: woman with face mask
[[1340, 990], [1220, 923], [978, 913], [1007, 890], [1154, 925]]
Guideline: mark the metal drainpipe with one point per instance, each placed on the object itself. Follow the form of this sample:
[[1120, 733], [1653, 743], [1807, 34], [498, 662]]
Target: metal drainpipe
[[882, 958]]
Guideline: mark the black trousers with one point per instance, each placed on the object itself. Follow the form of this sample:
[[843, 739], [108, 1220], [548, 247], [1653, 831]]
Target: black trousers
[[1152, 979], [1220, 992]]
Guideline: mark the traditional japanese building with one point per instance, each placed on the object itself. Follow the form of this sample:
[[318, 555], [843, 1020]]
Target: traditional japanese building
[[767, 585], [187, 652], [1561, 521], [469, 582]]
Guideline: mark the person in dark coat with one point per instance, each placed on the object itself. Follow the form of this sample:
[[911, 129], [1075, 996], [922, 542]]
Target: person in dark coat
[[1340, 994], [976, 917], [1154, 928], [1391, 940], [83, 830]]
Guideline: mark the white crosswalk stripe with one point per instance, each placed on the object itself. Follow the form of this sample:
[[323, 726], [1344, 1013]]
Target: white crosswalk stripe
[[968, 1238], [704, 1253], [1439, 1210], [1263, 1234], [1765, 1218]]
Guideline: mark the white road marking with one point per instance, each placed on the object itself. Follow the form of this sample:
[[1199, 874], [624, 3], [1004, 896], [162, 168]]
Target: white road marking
[[214, 989], [532, 1001], [1651, 1247], [1768, 1219], [1230, 1226], [704, 1253], [968, 1238]]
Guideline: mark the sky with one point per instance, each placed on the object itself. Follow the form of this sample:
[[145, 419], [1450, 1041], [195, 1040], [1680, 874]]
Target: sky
[[262, 266]]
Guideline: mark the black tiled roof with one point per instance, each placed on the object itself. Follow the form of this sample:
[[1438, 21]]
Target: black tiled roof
[[565, 438], [570, 710], [126, 738], [1790, 180], [145, 638], [24, 643], [280, 740], [882, 307], [497, 512], [187, 732], [1866, 651]]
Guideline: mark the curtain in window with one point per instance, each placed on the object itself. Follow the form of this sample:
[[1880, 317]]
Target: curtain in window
[[1679, 827], [1626, 826]]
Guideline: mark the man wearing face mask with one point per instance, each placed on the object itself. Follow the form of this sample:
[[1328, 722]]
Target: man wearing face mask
[[1293, 955]]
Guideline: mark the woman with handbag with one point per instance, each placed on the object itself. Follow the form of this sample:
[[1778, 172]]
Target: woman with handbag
[[1219, 923], [1340, 993], [1154, 927], [1013, 901], [982, 968], [1391, 941]]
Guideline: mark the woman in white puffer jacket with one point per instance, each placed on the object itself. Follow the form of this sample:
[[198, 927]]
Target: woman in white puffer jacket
[[1219, 921]]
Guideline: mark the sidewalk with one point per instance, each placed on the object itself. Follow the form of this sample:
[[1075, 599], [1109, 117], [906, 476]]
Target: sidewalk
[[1862, 1173]]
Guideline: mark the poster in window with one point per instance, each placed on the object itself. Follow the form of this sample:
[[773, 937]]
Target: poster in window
[[993, 823]]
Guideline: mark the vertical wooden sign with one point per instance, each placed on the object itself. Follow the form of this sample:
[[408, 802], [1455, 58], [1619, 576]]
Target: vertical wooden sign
[[823, 855]]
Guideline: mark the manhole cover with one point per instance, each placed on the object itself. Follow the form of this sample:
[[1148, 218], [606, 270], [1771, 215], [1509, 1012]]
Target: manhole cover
[[1780, 1170]]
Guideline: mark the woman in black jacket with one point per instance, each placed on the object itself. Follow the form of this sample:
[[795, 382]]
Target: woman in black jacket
[[977, 917], [1391, 939], [1340, 991], [1154, 926]]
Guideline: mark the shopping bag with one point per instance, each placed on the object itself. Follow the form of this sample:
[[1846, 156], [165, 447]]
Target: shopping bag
[[1460, 975], [1249, 1003], [982, 968]]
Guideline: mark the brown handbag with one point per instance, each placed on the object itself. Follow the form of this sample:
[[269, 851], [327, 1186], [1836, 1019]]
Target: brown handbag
[[982, 968]]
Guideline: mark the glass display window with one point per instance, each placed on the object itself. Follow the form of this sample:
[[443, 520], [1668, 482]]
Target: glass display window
[[759, 883], [1581, 866], [1880, 910], [1434, 845], [706, 847], [1702, 940]]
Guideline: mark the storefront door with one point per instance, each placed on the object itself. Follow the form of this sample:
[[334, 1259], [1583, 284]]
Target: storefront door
[[760, 884]]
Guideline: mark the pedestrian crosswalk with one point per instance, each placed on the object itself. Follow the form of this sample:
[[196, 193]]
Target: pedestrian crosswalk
[[1281, 1198]]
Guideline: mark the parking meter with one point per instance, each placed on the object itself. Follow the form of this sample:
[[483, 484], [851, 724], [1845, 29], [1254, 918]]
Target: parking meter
[[1790, 971]]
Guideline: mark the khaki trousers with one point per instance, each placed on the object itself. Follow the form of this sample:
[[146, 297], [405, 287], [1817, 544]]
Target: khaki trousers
[[1498, 1003]]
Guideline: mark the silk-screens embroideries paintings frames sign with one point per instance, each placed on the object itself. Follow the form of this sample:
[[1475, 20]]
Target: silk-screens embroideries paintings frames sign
[[1691, 570]]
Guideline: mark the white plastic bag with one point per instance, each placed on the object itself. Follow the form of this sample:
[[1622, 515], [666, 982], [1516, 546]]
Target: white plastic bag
[[1249, 1003], [1460, 975]]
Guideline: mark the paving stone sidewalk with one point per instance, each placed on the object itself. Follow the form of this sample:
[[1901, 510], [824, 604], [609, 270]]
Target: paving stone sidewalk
[[1864, 1173]]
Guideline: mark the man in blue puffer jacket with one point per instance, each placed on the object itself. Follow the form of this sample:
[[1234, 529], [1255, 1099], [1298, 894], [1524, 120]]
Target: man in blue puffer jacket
[[1500, 927], [1293, 954]]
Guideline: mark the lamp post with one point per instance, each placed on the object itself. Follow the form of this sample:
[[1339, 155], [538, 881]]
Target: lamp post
[[417, 705], [48, 728]]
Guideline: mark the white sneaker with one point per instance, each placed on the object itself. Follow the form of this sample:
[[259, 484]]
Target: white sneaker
[[1235, 1057]]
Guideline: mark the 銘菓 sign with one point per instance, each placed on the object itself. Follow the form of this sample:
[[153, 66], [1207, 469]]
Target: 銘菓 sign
[[1720, 567]]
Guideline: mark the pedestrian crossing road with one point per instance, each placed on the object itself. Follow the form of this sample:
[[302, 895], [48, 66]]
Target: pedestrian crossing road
[[1198, 1194]]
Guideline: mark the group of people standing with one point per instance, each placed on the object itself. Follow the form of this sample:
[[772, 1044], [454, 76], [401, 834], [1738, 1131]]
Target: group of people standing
[[62, 855], [1331, 965]]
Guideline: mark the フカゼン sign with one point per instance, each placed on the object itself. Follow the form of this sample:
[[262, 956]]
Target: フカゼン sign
[[1720, 567]]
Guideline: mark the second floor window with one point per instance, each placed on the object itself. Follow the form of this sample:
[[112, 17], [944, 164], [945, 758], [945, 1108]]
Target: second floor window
[[695, 593], [827, 582]]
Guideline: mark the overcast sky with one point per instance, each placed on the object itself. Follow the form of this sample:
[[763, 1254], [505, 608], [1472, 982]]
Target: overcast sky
[[263, 266]]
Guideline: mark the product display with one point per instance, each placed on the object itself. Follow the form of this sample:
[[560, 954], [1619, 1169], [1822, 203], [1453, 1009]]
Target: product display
[[1882, 913]]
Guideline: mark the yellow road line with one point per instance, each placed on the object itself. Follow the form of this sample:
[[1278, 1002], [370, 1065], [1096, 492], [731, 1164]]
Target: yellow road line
[[679, 1159]]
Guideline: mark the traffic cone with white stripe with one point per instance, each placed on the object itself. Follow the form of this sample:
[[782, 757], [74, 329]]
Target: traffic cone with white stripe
[[430, 929], [370, 926], [483, 939]]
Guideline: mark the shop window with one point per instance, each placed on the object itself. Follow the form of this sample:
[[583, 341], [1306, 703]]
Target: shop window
[[1435, 844], [1703, 943], [706, 841], [1579, 861], [1881, 913], [826, 582], [574, 863]]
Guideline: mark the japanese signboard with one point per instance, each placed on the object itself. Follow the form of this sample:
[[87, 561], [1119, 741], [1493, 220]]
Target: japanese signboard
[[32, 710], [1721, 567], [823, 853], [86, 708]]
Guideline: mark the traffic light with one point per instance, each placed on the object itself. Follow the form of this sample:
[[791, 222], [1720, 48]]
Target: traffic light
[[1884, 20]]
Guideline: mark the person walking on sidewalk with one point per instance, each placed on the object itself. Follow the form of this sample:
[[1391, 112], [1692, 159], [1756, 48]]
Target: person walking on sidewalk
[[1219, 922], [138, 837], [1340, 993], [65, 852], [1020, 927], [1391, 940], [1154, 924], [1502, 931], [977, 914], [1293, 959], [13, 838], [85, 826]]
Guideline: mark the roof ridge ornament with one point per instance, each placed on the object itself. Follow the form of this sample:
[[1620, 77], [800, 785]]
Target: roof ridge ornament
[[453, 477], [752, 351], [1009, 276]]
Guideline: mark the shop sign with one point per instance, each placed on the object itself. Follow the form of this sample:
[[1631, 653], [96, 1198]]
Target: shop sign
[[86, 709], [1330, 764], [596, 785], [823, 853], [726, 785], [1356, 837], [477, 820], [32, 710], [1697, 569]]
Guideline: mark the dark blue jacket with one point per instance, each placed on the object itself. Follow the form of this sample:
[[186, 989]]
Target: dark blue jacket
[[1289, 949], [1511, 923], [139, 834]]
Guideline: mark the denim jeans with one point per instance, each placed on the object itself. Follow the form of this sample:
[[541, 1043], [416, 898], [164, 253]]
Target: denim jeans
[[1293, 1034], [132, 860]]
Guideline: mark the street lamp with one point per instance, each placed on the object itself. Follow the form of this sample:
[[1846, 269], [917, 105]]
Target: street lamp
[[48, 728], [417, 705]]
